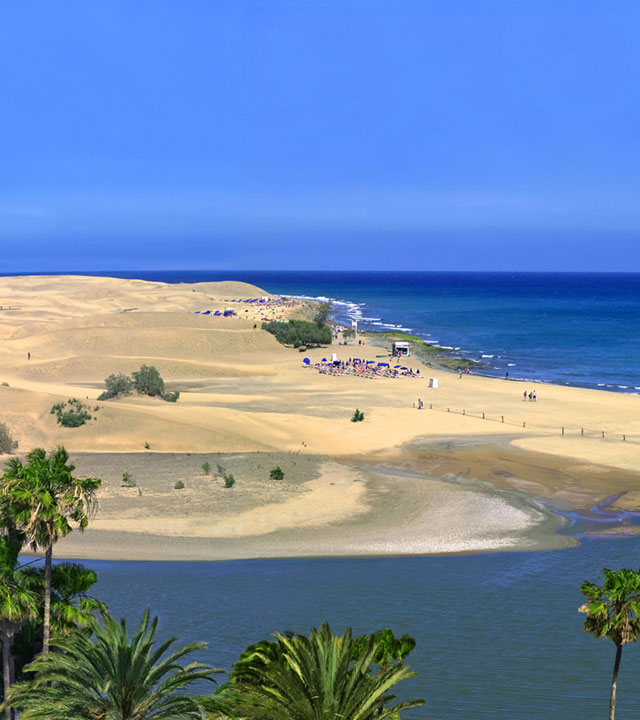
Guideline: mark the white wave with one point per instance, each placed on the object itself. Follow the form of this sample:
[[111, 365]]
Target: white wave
[[511, 364], [488, 356]]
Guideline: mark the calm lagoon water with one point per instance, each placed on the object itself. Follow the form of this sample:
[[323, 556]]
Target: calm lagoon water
[[499, 635]]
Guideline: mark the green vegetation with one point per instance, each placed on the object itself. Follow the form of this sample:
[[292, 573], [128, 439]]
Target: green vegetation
[[108, 674], [206, 468], [358, 416], [71, 414], [321, 318], [613, 612], [146, 381], [277, 473], [43, 498], [147, 446], [179, 485], [299, 332], [323, 676], [348, 334], [127, 480], [116, 385], [229, 480], [5, 384], [7, 443]]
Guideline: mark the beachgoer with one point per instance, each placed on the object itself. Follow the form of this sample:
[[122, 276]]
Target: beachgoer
[[535, 396], [28, 356], [524, 397], [530, 396], [506, 375]]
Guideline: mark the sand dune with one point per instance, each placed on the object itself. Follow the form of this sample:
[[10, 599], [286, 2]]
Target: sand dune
[[243, 392]]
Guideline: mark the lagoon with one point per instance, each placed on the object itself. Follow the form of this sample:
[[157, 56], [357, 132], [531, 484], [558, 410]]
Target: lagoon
[[499, 635]]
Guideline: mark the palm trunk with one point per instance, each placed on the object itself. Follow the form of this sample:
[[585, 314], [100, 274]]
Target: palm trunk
[[6, 666], [47, 600], [614, 683]]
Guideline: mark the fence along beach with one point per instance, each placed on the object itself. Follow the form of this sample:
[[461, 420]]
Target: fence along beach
[[252, 400]]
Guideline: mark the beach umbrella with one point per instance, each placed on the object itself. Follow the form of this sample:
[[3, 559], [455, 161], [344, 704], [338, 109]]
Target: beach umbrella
[[370, 361], [306, 361], [395, 367], [403, 368], [324, 359]]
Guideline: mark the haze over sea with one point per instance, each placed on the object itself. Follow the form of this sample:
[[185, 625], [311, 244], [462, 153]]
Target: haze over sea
[[565, 328]]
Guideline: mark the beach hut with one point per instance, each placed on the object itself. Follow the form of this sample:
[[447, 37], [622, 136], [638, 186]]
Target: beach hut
[[433, 382], [400, 348]]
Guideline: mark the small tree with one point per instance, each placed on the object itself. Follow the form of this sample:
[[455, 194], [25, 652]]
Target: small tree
[[147, 381], [613, 612], [7, 443], [229, 480], [116, 385], [277, 473], [358, 416], [206, 468]]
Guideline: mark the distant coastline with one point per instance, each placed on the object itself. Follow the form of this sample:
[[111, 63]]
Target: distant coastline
[[576, 329]]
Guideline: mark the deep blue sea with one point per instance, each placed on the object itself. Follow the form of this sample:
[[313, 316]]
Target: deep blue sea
[[566, 328]]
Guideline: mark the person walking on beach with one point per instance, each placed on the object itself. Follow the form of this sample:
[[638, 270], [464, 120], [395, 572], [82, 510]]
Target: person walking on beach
[[28, 356], [535, 396], [524, 397], [506, 375]]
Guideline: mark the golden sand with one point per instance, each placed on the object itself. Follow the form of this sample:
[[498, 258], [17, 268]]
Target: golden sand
[[242, 392]]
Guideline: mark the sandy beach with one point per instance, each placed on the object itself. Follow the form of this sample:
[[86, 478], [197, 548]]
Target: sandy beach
[[476, 469]]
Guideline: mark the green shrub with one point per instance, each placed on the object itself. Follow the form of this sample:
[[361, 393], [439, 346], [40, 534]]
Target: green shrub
[[299, 332], [71, 414], [229, 480], [179, 485], [277, 473], [206, 468], [171, 396], [7, 443], [322, 314], [358, 416], [147, 446], [147, 381], [127, 480], [348, 335], [116, 385], [5, 384]]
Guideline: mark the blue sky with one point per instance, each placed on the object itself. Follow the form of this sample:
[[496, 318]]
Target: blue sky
[[351, 134]]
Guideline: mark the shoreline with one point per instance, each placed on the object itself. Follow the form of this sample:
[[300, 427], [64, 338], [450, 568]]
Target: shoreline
[[476, 471]]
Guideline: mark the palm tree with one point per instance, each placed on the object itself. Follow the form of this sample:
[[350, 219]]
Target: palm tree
[[613, 612], [322, 677], [107, 674], [47, 497], [18, 603]]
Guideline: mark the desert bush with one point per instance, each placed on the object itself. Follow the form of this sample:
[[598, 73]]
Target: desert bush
[[5, 384], [277, 473], [206, 468], [171, 396], [358, 416], [147, 381], [229, 480], [71, 414], [179, 485], [116, 385], [299, 332], [127, 480], [7, 443]]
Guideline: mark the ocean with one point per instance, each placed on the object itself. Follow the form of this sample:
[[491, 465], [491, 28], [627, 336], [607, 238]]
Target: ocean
[[565, 328]]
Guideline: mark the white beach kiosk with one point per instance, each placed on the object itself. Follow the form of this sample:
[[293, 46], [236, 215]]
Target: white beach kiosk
[[400, 348]]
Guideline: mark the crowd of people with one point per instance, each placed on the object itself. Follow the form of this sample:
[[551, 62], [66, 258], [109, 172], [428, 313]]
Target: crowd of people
[[364, 368]]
